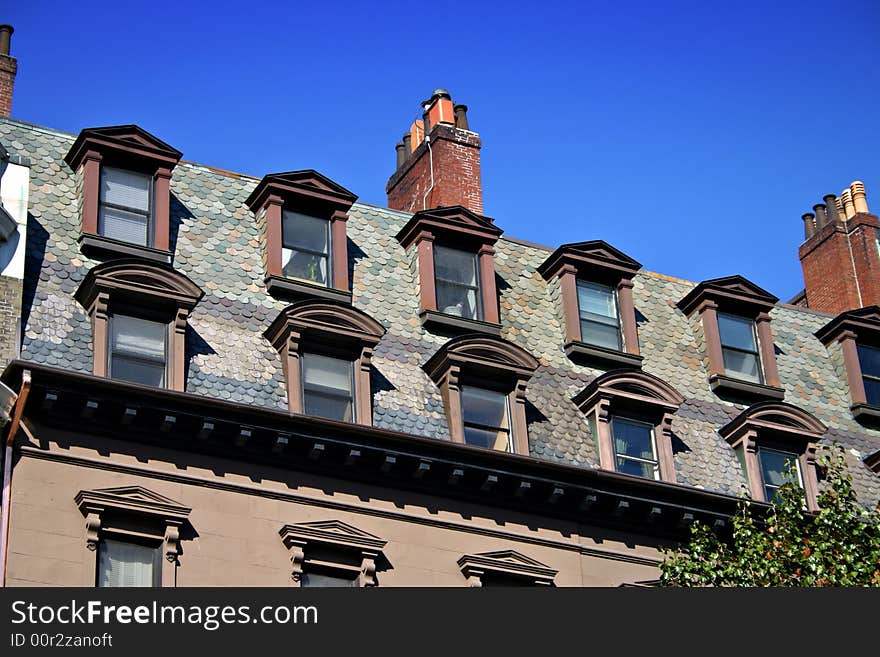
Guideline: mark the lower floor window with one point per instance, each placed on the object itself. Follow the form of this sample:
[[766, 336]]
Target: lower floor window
[[485, 416], [634, 449], [327, 387], [328, 578], [126, 564], [778, 468]]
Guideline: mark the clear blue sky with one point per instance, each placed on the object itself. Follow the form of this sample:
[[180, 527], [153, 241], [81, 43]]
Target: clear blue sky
[[691, 136]]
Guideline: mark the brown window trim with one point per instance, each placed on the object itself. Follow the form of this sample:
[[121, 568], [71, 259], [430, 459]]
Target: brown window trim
[[311, 193], [873, 462], [163, 293], [459, 228], [483, 361], [506, 563], [849, 329], [131, 512], [595, 261], [300, 539], [328, 325], [773, 423], [637, 395], [132, 148], [737, 296]]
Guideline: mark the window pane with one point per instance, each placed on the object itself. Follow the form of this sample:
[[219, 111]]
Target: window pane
[[597, 299], [869, 359], [139, 337], [872, 391], [327, 387], [499, 440], [126, 188], [127, 564], [321, 580], [737, 332], [455, 266], [637, 468], [741, 365], [632, 438], [124, 368], [304, 265], [456, 300], [600, 335], [774, 465], [302, 232], [486, 407], [123, 225]]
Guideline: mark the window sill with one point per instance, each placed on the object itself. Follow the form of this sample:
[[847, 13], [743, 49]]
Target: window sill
[[866, 414], [99, 245], [443, 324], [588, 354], [288, 288], [725, 386]]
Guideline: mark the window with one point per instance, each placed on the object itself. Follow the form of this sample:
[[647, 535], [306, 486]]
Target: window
[[138, 350], [326, 349], [457, 283], [634, 449], [302, 218], [630, 413], [739, 347], [124, 206], [331, 553], [600, 324], [485, 417], [133, 534], [734, 315], [126, 564], [305, 251], [768, 437], [775, 470], [869, 361], [454, 251], [482, 380], [126, 345], [124, 174], [328, 389], [505, 568], [595, 284]]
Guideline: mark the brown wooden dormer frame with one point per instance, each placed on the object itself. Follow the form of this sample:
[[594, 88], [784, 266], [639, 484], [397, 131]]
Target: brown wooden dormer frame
[[781, 425], [483, 361], [595, 261], [134, 149], [329, 326], [311, 193], [635, 395], [738, 296], [158, 291], [459, 228], [850, 329]]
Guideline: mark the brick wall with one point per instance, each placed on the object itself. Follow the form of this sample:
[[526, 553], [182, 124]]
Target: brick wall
[[10, 319], [8, 67]]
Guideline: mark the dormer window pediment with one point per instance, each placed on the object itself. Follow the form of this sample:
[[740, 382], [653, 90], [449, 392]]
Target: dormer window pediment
[[302, 217]]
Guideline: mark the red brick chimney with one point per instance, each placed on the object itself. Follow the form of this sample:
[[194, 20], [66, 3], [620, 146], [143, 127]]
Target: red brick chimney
[[840, 256], [8, 68], [441, 169]]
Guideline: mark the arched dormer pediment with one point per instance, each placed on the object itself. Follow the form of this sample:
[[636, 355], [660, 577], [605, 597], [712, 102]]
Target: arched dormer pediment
[[779, 417], [137, 278], [483, 352], [633, 386], [327, 318]]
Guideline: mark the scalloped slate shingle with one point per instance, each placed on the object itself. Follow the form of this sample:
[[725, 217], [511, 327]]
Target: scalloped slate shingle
[[216, 243]]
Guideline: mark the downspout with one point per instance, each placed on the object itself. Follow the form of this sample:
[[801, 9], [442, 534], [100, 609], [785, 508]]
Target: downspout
[[7, 470], [855, 272]]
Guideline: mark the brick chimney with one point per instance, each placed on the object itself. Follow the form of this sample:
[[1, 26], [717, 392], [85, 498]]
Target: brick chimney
[[441, 169], [840, 255], [8, 68]]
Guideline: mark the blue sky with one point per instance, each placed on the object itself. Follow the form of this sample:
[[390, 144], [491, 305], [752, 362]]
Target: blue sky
[[690, 135]]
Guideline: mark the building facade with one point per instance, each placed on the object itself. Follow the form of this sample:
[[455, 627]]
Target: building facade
[[217, 380]]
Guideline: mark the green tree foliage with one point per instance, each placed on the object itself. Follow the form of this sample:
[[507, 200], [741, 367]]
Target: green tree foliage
[[786, 546]]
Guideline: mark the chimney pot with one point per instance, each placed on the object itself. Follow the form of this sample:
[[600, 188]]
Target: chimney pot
[[407, 143], [5, 38], [848, 207], [461, 117], [401, 154], [831, 214], [821, 216], [809, 224], [860, 202]]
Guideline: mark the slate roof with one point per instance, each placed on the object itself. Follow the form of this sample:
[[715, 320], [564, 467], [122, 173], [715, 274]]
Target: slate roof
[[216, 243]]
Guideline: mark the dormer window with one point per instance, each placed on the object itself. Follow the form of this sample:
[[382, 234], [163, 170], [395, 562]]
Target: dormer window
[[456, 263], [595, 283], [138, 350], [457, 281], [740, 355], [124, 173], [328, 389], [869, 362], [777, 467], [634, 449], [482, 380], [305, 249], [302, 218]]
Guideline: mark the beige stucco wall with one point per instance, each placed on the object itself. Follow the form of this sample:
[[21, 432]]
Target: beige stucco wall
[[238, 508]]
